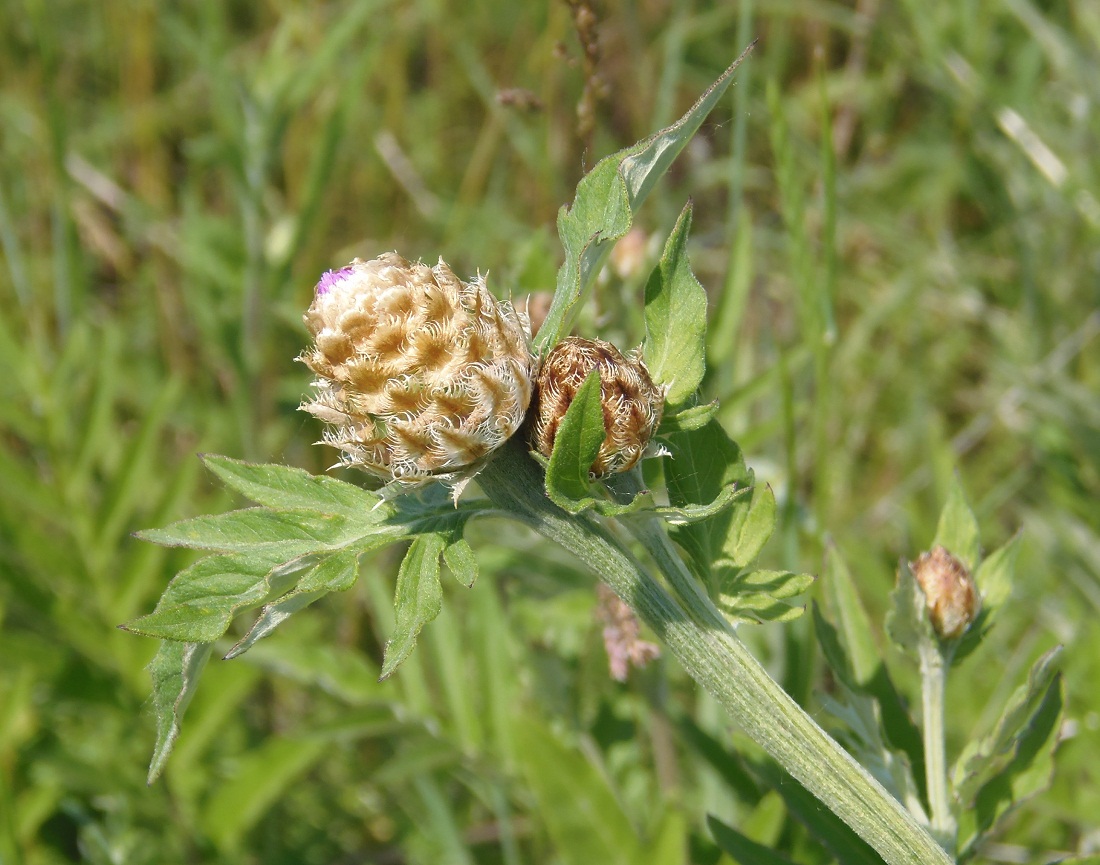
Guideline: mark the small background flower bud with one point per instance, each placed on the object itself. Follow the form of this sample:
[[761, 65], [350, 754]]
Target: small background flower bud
[[632, 404], [419, 374], [951, 596]]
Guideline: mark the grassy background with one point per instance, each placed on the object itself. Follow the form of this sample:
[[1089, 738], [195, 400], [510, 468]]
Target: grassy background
[[897, 216]]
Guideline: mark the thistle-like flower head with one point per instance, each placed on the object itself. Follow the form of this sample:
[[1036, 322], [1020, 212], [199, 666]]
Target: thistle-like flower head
[[419, 374], [632, 403]]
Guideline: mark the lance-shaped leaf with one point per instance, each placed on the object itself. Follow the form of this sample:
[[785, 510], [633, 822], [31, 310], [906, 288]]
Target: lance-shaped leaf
[[761, 596], [983, 760], [627, 488], [855, 641], [676, 318], [822, 824], [743, 849], [581, 813], [957, 531], [1027, 773], [576, 446], [311, 549], [175, 672], [260, 778], [701, 464], [283, 487], [607, 199], [777, 584], [201, 600], [865, 730], [687, 419], [994, 581], [288, 533], [688, 514], [333, 573], [858, 661], [751, 524], [461, 561], [418, 599], [907, 621]]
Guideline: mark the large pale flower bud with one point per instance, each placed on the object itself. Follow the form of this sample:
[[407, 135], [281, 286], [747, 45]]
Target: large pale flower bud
[[950, 594], [632, 403], [419, 374]]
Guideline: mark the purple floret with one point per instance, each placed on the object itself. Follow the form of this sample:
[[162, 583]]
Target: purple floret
[[330, 277]]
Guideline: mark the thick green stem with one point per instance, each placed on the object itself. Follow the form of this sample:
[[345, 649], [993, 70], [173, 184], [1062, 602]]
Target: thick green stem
[[933, 670], [702, 641]]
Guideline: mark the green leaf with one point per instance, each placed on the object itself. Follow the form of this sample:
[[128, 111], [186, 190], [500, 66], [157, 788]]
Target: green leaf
[[418, 599], [994, 581], [843, 843], [175, 671], [758, 607], [700, 465], [289, 532], [907, 621], [688, 514], [688, 419], [333, 573], [580, 813], [777, 584], [668, 845], [200, 602], [461, 561], [744, 850], [283, 487], [994, 575], [760, 596], [957, 531], [857, 661], [983, 760], [853, 623], [865, 733], [676, 318], [576, 446], [339, 670], [1028, 773], [864, 737], [606, 200], [259, 780], [834, 650], [432, 510], [751, 525], [726, 762]]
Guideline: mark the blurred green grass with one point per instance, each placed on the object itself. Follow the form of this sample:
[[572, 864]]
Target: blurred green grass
[[896, 218]]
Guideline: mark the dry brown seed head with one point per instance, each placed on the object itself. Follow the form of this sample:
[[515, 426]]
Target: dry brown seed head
[[419, 374], [632, 403]]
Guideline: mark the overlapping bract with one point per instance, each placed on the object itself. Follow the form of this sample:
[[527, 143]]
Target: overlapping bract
[[419, 374], [632, 403]]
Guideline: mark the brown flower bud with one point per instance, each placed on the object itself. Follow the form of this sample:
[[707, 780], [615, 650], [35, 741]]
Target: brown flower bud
[[419, 374], [950, 594], [632, 404]]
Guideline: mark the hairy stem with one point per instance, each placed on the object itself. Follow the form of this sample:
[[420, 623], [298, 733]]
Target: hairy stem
[[933, 671], [700, 638]]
